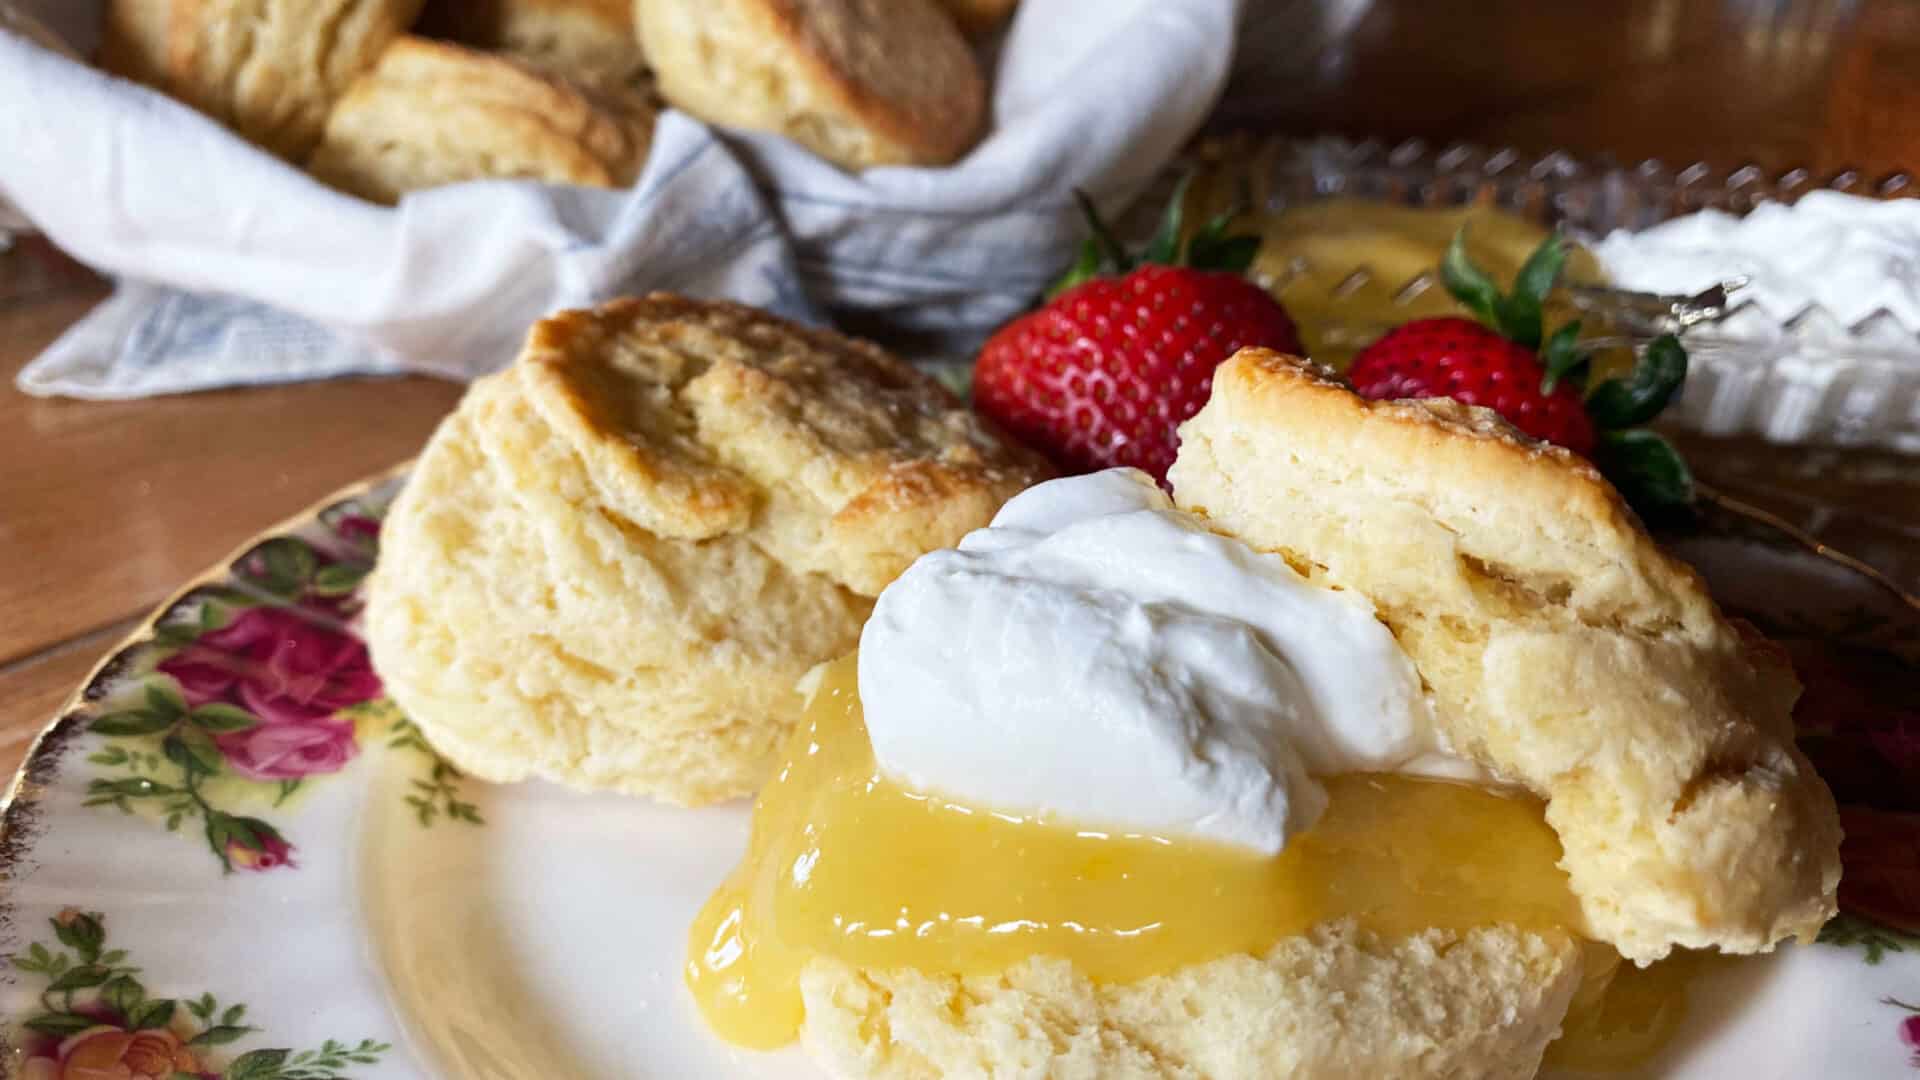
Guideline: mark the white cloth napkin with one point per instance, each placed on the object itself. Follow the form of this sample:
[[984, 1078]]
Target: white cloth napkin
[[234, 267]]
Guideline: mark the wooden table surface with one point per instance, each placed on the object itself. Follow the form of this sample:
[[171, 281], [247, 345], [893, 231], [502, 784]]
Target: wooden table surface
[[105, 508]]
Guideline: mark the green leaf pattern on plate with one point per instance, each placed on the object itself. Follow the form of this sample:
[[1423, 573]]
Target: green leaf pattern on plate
[[96, 1018]]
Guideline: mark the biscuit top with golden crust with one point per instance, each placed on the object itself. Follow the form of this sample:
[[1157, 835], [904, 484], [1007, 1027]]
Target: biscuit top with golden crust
[[1580, 528], [1565, 650], [893, 64], [860, 82], [699, 419]]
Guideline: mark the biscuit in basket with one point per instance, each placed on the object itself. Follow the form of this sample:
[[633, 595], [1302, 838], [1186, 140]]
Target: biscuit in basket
[[858, 83], [432, 113], [1565, 650], [616, 558], [269, 69], [592, 40], [978, 18]]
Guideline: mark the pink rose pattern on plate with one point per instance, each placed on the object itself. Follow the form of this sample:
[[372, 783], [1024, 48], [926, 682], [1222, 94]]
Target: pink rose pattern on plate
[[1909, 1029], [259, 681], [98, 1022], [292, 675]]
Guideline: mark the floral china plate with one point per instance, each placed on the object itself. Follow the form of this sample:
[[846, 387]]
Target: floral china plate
[[232, 857]]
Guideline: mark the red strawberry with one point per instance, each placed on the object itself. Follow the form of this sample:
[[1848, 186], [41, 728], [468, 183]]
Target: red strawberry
[[1105, 372], [1463, 360], [1499, 363]]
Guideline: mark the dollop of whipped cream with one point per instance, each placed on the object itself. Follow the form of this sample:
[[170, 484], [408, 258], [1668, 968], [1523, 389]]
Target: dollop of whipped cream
[[1846, 255], [1101, 658]]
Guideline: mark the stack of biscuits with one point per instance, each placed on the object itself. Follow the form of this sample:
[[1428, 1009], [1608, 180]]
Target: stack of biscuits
[[382, 97]]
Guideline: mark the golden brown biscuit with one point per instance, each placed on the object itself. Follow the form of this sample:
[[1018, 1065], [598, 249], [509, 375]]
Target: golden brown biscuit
[[1331, 1004], [432, 113], [617, 557], [1565, 650], [593, 40], [859, 82], [978, 18], [269, 69]]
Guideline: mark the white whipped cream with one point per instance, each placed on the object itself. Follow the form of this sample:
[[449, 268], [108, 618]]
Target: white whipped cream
[[1847, 256], [1101, 658]]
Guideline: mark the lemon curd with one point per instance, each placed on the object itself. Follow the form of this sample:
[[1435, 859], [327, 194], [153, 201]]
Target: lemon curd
[[845, 863]]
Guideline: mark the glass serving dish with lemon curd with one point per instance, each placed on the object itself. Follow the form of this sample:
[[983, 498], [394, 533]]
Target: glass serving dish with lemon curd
[[1352, 232], [846, 863]]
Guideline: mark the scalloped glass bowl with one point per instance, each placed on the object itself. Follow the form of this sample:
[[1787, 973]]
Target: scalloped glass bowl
[[1807, 380]]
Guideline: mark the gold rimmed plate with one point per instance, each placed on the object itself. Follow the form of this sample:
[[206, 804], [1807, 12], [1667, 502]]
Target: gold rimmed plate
[[231, 856]]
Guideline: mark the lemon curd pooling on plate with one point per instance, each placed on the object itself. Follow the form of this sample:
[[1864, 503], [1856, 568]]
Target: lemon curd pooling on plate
[[848, 864]]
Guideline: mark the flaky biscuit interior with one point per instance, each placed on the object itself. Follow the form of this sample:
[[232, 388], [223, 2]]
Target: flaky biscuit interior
[[1334, 1003]]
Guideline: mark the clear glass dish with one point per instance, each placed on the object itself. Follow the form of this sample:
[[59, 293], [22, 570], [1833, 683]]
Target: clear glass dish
[[1808, 380]]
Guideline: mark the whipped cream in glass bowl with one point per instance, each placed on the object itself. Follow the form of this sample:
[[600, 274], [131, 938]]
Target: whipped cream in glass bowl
[[1850, 259], [1821, 341], [1098, 656]]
